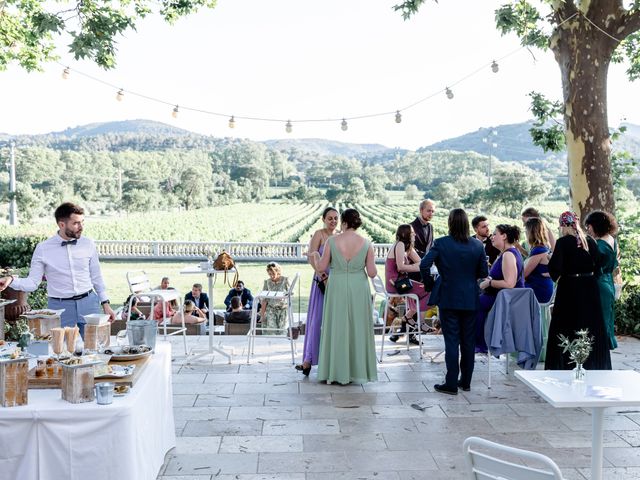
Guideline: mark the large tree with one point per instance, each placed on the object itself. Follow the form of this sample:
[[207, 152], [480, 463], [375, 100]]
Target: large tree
[[28, 28], [585, 37]]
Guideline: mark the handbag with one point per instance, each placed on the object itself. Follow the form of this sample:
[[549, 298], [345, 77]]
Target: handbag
[[322, 286], [225, 262], [403, 285]]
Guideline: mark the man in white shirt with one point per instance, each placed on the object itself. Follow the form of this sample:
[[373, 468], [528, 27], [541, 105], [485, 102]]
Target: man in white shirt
[[72, 270]]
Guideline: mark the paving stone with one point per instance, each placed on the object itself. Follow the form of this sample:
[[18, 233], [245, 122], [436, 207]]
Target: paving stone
[[377, 425], [288, 388], [302, 462], [264, 413], [353, 476], [222, 427], [237, 400], [236, 378], [196, 445], [213, 464], [477, 410], [184, 400], [203, 388], [407, 411], [351, 399], [201, 413], [328, 411], [419, 460], [301, 427], [189, 378], [395, 387], [261, 443], [302, 399], [346, 443]]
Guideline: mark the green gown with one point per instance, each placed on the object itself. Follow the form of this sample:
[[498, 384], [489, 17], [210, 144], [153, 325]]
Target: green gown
[[347, 345], [608, 263]]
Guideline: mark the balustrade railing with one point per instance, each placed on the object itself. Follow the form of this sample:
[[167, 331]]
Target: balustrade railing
[[198, 251]]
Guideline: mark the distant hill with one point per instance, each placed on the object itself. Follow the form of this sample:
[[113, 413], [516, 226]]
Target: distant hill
[[124, 126]]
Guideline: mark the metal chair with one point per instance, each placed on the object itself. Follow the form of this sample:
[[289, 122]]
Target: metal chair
[[484, 465], [379, 290], [140, 288], [254, 328]]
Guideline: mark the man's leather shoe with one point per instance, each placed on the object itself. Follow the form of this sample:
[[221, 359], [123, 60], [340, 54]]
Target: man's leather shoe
[[443, 388], [413, 340], [463, 388], [394, 338]]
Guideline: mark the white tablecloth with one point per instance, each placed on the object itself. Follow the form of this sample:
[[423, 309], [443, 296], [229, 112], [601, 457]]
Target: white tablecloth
[[51, 439]]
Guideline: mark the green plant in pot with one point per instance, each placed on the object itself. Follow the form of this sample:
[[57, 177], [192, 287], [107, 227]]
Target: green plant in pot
[[579, 349]]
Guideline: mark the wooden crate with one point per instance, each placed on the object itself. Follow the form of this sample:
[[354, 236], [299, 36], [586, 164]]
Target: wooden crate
[[42, 326], [14, 382], [94, 332], [77, 383]]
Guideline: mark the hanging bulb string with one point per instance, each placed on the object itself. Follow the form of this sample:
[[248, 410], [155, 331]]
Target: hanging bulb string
[[302, 120]]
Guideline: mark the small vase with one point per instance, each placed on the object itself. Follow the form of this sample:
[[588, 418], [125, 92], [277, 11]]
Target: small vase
[[579, 373]]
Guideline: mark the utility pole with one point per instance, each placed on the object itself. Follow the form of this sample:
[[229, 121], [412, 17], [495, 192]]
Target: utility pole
[[119, 185], [13, 206], [492, 144]]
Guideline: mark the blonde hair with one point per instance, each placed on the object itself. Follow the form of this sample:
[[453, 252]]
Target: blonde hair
[[188, 306], [274, 267], [536, 232], [575, 231]]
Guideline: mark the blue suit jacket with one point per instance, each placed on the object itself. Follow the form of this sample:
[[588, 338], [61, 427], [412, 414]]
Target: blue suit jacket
[[204, 299], [460, 265]]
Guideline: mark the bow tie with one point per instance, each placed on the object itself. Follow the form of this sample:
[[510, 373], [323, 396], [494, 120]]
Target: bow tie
[[64, 243]]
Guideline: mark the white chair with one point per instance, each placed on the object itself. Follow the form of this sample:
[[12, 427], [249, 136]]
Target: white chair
[[482, 464], [254, 328], [140, 288], [379, 290]]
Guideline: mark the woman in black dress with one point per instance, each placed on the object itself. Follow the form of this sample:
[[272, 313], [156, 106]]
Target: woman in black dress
[[577, 303]]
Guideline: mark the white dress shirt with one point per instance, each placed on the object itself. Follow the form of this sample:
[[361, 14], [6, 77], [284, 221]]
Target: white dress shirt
[[70, 270]]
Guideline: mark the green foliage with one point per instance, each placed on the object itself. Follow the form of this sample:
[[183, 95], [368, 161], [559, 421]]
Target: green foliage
[[28, 28], [523, 19], [629, 51], [13, 331], [411, 192], [16, 251], [579, 348], [548, 130], [628, 311]]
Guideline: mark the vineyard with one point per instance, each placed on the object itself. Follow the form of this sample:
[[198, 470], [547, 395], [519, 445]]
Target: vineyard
[[270, 221]]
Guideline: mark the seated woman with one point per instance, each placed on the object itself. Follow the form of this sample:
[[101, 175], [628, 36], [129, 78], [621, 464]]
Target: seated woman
[[274, 312], [536, 267], [402, 259], [136, 314], [506, 272], [192, 314], [169, 310]]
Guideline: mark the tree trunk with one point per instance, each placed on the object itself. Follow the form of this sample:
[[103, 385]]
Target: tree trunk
[[583, 55]]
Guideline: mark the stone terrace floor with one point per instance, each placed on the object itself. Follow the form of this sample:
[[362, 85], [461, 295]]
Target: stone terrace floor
[[267, 421]]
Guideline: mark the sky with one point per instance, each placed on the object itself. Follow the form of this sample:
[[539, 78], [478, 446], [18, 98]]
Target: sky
[[307, 59]]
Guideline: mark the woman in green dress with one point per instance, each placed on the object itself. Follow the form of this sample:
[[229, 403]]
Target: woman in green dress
[[347, 346], [603, 226]]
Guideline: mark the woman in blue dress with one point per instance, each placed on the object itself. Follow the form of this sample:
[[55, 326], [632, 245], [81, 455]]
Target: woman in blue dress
[[506, 272], [536, 267]]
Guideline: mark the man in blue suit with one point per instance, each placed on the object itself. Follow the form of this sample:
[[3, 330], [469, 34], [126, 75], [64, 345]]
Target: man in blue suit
[[199, 299], [461, 261]]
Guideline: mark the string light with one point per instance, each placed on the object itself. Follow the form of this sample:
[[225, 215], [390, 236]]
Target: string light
[[343, 125], [288, 127]]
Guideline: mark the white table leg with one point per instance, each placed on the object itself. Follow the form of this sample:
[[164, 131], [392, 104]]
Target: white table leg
[[597, 430], [211, 348]]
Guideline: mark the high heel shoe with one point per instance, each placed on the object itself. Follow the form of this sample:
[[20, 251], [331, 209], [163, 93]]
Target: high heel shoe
[[299, 367], [423, 326], [306, 371]]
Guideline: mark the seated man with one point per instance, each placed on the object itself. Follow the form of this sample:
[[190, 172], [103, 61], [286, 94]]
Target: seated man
[[164, 284], [482, 231], [239, 291], [200, 300], [237, 313]]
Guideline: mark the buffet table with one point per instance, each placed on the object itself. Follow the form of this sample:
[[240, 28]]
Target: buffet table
[[51, 439]]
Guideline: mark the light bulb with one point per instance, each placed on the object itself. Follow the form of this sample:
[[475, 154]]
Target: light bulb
[[398, 116], [288, 127], [494, 67], [344, 125], [65, 73], [174, 114], [120, 95], [449, 93], [232, 122]]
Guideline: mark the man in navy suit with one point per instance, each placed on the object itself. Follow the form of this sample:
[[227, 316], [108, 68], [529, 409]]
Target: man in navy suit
[[461, 261], [199, 299]]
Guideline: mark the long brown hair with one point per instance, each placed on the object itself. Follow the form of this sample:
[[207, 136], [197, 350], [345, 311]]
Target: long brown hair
[[459, 225], [403, 234], [536, 232]]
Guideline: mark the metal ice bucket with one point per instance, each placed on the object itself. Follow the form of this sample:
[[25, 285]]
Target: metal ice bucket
[[142, 332]]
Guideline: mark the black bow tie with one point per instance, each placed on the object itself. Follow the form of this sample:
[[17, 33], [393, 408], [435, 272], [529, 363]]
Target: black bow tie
[[64, 243]]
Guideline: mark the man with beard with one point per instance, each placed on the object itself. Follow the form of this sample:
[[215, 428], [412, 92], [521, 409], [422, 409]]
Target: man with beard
[[423, 228], [70, 264], [480, 226]]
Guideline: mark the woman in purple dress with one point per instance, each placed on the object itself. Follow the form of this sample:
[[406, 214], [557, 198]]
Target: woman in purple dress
[[316, 297], [506, 272]]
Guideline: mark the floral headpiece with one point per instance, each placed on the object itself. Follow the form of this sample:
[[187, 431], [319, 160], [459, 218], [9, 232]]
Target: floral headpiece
[[569, 219]]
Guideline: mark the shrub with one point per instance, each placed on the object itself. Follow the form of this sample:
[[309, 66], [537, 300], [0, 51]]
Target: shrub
[[628, 311], [16, 251]]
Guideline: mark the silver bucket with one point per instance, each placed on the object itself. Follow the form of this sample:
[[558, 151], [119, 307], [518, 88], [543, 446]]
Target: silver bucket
[[142, 332]]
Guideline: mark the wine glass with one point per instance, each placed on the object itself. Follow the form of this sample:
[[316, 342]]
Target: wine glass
[[57, 341]]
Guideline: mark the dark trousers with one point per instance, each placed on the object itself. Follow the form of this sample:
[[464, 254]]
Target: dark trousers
[[459, 332]]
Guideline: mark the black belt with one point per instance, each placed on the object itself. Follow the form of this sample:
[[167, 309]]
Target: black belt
[[75, 297], [586, 274]]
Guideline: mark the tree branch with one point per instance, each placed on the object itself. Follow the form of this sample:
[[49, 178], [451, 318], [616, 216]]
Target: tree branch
[[631, 24]]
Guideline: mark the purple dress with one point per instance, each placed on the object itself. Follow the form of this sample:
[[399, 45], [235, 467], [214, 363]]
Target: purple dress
[[314, 322]]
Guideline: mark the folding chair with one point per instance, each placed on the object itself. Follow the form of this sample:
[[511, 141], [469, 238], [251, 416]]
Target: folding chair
[[380, 291], [140, 288], [484, 465], [254, 328]]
